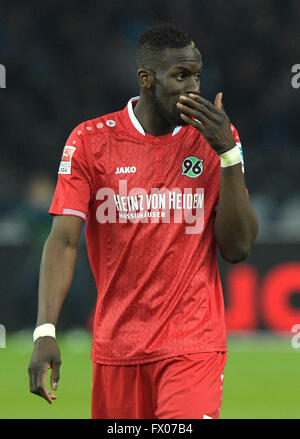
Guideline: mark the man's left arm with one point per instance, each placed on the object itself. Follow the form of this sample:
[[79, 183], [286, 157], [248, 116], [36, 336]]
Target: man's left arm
[[236, 223]]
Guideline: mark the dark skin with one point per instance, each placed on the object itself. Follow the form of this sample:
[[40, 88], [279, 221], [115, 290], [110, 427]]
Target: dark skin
[[169, 96], [161, 88], [56, 274], [173, 88]]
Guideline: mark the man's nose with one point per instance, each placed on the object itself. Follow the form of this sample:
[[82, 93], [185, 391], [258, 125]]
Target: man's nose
[[193, 86]]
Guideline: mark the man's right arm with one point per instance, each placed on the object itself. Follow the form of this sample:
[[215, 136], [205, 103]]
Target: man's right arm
[[56, 274]]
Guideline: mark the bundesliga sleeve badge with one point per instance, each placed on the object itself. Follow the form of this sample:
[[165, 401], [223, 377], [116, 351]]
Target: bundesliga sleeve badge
[[66, 160]]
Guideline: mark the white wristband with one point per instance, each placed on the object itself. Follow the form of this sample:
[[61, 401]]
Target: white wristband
[[46, 330], [231, 157]]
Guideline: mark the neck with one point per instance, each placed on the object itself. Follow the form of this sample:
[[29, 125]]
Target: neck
[[151, 122]]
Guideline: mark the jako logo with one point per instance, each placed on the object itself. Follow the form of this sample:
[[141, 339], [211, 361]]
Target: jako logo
[[296, 337], [126, 170]]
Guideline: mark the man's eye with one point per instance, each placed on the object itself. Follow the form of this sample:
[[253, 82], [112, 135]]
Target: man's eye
[[182, 76]]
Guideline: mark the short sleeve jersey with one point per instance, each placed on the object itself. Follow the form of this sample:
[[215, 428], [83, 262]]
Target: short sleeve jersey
[[149, 204]]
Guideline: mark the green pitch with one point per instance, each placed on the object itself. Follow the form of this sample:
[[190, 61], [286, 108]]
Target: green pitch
[[262, 379]]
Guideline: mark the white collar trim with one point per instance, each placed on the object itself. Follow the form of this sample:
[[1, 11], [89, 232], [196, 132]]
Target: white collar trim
[[137, 124]]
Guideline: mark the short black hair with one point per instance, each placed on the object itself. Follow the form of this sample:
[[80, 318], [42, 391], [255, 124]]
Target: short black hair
[[157, 37]]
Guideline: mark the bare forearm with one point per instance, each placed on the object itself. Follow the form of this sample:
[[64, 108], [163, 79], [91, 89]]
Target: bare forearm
[[236, 222], [56, 274]]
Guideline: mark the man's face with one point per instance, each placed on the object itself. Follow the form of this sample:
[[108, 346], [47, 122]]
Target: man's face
[[178, 74]]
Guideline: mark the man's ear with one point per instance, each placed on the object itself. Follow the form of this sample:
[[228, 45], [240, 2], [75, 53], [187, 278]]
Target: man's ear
[[146, 78]]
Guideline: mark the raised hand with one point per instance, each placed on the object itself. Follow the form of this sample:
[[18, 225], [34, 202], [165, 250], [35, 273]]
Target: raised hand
[[210, 119]]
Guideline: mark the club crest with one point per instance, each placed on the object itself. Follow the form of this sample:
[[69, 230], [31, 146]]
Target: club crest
[[192, 166]]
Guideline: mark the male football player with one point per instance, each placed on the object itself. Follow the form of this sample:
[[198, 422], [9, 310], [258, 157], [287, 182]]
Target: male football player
[[161, 186]]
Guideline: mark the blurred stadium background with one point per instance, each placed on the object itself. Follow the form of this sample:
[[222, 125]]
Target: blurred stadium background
[[70, 61]]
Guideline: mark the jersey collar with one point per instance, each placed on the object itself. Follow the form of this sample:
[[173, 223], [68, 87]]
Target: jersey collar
[[135, 121]]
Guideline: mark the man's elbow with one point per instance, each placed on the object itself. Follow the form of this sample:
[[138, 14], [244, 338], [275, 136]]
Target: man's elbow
[[236, 255]]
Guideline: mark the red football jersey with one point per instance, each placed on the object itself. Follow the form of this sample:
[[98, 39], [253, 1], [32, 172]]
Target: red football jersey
[[149, 204]]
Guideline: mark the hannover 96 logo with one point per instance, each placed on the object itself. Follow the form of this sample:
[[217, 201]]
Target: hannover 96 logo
[[192, 166]]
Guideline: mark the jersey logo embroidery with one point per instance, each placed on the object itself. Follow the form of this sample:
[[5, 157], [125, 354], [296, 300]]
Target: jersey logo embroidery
[[192, 166], [66, 160], [126, 170]]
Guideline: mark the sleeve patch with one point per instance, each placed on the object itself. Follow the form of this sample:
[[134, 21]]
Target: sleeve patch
[[66, 160], [242, 156]]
